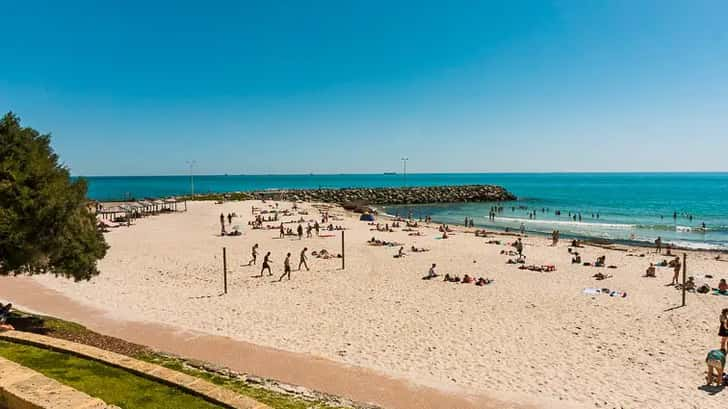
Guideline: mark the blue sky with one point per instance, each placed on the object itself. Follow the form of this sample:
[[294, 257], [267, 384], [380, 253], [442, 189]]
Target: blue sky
[[137, 88]]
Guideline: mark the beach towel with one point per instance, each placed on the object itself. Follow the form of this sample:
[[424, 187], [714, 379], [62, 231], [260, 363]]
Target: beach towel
[[592, 291], [327, 235], [717, 292]]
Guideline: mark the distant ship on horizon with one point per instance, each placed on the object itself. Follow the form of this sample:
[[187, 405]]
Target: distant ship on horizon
[[390, 173]]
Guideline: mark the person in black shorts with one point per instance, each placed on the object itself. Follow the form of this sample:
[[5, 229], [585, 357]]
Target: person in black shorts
[[723, 332], [266, 265], [286, 267]]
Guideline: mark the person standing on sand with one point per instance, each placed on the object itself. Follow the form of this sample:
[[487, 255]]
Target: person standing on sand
[[308, 231], [230, 218], [254, 253], [222, 224], [676, 276], [523, 228], [286, 267], [266, 265], [283, 231], [302, 259], [300, 232], [723, 332], [716, 364], [658, 244], [519, 246], [316, 227]]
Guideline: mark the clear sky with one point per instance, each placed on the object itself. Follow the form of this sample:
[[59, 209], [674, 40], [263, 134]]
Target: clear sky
[[140, 87]]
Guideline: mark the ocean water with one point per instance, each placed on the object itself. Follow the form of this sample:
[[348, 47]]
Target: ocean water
[[631, 206]]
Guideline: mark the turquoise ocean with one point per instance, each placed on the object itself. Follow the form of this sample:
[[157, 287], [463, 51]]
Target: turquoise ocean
[[630, 206]]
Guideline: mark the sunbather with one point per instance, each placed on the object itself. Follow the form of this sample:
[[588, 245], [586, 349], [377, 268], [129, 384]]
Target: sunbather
[[651, 271], [4, 312], [431, 273]]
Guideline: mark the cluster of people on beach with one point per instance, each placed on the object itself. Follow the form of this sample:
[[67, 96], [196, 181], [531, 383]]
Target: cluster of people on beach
[[233, 231], [467, 279]]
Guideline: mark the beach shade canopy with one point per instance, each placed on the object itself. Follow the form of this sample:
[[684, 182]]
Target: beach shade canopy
[[366, 217]]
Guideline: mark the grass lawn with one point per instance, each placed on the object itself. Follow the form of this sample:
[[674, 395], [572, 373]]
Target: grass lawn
[[112, 385]]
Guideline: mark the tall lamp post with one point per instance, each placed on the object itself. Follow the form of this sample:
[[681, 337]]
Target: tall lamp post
[[192, 163], [404, 169]]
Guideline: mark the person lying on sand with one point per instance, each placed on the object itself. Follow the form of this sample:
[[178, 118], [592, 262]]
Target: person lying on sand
[[518, 260], [400, 252], [651, 271], [601, 276], [576, 259], [483, 281], [418, 249], [431, 273], [467, 279], [451, 279]]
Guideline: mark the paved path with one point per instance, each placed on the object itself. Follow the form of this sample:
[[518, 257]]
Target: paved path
[[356, 383]]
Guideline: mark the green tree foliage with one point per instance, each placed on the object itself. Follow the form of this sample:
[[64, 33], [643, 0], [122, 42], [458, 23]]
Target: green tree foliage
[[45, 226]]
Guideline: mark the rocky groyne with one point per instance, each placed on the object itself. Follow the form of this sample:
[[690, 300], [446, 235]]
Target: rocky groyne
[[392, 195]]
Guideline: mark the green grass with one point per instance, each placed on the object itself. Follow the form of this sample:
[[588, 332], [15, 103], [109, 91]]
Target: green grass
[[273, 399], [112, 385], [58, 328]]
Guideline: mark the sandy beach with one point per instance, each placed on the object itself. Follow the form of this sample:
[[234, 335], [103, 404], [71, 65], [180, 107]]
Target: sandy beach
[[528, 337]]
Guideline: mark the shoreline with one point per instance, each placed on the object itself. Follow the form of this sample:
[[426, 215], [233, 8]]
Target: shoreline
[[584, 239]]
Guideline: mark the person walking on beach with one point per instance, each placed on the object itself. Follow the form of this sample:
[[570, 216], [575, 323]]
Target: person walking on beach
[[286, 267], [303, 258], [523, 228], [300, 232], [658, 244], [676, 276], [282, 231], [222, 224], [316, 227], [308, 231], [230, 218], [723, 332], [254, 254], [266, 265]]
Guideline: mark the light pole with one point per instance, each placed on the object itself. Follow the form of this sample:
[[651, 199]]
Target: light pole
[[192, 176], [404, 169]]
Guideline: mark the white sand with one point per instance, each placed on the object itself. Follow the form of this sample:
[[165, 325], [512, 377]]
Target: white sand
[[529, 336]]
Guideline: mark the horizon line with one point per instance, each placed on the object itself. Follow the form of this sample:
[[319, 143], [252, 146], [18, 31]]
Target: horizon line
[[415, 173]]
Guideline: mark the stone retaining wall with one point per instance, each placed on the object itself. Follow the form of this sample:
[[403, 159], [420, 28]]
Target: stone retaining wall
[[23, 388]]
